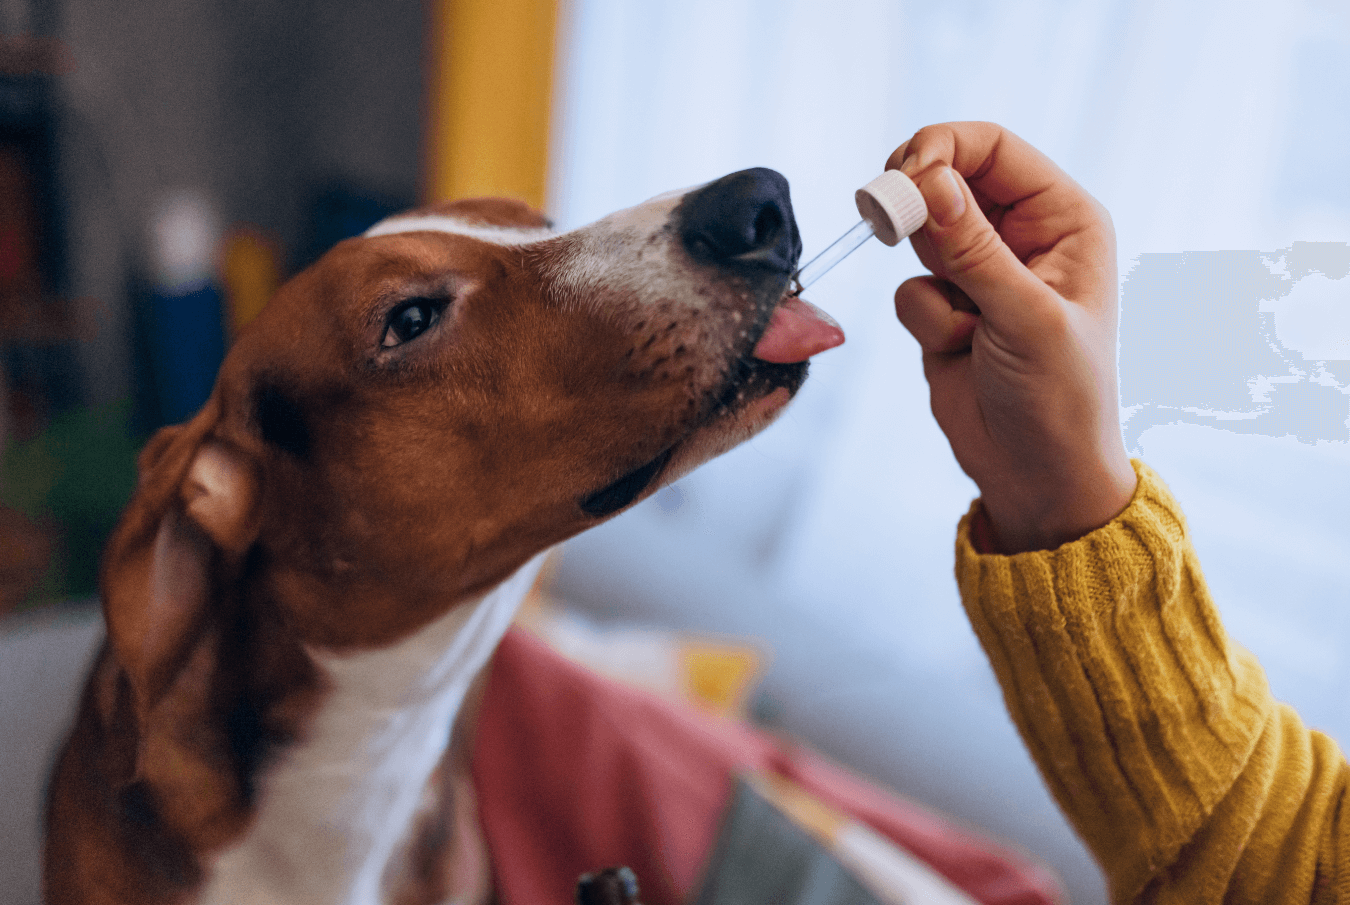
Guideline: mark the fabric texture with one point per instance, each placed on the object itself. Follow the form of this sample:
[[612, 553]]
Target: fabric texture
[[1156, 733], [575, 773]]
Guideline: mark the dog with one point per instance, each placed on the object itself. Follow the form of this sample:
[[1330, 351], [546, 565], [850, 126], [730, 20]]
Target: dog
[[314, 570]]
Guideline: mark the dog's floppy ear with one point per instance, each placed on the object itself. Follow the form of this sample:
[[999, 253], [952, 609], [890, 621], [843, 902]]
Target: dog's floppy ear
[[194, 512]]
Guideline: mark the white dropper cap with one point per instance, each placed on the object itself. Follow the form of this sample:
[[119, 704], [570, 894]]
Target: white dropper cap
[[892, 208], [893, 205]]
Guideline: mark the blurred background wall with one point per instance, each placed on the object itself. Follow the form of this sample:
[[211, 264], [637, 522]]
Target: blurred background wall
[[162, 166], [1213, 131], [273, 129]]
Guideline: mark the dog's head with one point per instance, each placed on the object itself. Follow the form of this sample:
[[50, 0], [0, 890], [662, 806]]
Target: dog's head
[[433, 403]]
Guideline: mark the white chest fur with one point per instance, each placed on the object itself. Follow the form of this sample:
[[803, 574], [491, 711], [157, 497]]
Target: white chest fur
[[332, 808]]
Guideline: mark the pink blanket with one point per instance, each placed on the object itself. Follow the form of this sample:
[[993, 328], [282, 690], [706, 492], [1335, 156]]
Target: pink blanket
[[576, 773]]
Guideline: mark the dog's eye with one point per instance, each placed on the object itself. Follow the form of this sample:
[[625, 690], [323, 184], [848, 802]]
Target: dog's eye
[[410, 320]]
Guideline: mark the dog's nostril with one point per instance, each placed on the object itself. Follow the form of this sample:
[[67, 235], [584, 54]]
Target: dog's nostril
[[742, 219], [736, 231], [768, 222]]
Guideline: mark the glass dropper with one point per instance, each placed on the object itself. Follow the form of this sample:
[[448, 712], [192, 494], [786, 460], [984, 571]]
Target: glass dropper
[[891, 207], [839, 249]]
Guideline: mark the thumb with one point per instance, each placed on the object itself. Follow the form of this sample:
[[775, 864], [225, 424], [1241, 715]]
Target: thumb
[[958, 243]]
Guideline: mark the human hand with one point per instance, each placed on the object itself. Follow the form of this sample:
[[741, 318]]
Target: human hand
[[1018, 331]]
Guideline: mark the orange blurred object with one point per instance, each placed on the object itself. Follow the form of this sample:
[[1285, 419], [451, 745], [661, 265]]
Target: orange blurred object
[[251, 272]]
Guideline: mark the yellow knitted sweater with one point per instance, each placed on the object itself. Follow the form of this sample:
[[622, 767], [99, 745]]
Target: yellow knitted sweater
[[1155, 732]]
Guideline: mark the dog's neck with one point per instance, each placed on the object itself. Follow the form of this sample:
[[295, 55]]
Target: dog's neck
[[334, 808]]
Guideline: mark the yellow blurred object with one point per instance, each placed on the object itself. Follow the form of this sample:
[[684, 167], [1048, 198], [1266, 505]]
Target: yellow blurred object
[[251, 273], [720, 676], [490, 96]]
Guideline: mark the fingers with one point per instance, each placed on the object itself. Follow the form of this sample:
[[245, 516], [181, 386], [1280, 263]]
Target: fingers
[[999, 165], [1044, 218], [937, 313], [959, 244]]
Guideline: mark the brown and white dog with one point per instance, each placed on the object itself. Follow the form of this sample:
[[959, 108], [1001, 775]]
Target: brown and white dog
[[315, 568]]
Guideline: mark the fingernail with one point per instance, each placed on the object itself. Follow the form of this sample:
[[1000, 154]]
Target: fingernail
[[908, 164], [947, 202]]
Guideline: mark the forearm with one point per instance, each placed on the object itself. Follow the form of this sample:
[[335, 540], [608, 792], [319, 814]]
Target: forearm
[[1157, 734]]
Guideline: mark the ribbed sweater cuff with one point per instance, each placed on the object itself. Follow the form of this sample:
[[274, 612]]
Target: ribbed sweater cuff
[[1128, 693]]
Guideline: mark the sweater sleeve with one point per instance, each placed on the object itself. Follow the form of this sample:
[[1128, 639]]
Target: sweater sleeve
[[1155, 732]]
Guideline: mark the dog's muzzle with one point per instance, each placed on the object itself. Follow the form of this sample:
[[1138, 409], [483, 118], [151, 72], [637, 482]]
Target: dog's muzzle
[[743, 227]]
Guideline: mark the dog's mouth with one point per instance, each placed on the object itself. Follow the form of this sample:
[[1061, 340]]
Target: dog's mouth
[[623, 491], [796, 330], [777, 357]]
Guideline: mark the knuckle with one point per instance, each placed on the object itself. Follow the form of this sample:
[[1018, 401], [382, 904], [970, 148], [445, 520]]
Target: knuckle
[[909, 306], [973, 250], [1108, 225], [928, 315], [928, 133], [928, 146]]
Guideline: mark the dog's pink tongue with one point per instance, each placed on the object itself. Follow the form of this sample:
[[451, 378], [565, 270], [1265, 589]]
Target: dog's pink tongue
[[797, 331]]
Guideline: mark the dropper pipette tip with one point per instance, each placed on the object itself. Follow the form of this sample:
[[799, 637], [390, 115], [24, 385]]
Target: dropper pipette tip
[[892, 208]]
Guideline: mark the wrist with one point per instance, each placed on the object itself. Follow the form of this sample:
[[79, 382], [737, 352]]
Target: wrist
[[1014, 523]]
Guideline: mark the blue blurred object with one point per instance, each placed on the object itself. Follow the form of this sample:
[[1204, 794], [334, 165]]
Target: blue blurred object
[[186, 346], [185, 335]]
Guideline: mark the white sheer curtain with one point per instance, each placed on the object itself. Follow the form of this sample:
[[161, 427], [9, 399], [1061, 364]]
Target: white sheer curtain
[[1204, 127]]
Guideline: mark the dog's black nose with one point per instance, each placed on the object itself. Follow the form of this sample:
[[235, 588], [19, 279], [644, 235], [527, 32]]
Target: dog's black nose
[[743, 219]]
